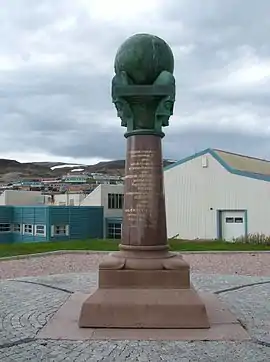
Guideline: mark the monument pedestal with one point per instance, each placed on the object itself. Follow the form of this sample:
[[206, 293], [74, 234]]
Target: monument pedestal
[[154, 297]]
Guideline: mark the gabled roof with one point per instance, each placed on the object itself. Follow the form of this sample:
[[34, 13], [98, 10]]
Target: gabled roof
[[234, 163]]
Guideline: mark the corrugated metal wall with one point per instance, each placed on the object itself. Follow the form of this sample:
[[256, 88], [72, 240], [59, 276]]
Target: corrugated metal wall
[[81, 222], [6, 214], [84, 222], [28, 215], [194, 194]]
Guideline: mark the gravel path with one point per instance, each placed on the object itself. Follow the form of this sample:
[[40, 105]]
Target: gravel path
[[253, 264]]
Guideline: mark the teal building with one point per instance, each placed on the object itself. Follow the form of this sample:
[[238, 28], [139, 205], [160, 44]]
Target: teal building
[[48, 223]]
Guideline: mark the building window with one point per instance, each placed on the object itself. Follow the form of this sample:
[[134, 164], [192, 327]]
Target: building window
[[40, 230], [234, 220], [17, 228], [115, 201], [5, 228], [114, 230], [28, 229], [60, 230]]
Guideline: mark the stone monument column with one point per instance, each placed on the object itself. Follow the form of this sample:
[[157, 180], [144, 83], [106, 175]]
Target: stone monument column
[[144, 285]]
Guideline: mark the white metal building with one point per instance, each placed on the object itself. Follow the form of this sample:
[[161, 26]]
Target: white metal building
[[107, 179], [217, 194]]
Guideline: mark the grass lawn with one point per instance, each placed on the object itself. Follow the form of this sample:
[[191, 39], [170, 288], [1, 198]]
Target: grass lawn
[[111, 245]]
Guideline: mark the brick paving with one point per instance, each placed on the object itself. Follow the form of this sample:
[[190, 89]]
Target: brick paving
[[27, 307]]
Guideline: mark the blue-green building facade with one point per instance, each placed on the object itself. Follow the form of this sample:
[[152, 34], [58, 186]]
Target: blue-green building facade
[[48, 223]]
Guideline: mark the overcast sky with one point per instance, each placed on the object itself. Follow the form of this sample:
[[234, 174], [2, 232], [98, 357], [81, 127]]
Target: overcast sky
[[56, 66]]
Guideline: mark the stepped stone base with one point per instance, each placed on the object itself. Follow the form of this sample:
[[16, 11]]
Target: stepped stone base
[[144, 308], [144, 299]]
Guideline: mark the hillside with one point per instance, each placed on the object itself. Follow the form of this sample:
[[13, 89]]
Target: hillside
[[12, 170]]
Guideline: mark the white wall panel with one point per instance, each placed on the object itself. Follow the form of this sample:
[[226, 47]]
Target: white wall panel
[[93, 199], [14, 197], [68, 199], [191, 190]]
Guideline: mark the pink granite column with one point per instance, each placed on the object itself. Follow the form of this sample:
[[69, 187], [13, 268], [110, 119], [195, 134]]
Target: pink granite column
[[144, 218]]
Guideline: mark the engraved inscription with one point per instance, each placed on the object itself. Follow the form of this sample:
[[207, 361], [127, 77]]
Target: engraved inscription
[[140, 178]]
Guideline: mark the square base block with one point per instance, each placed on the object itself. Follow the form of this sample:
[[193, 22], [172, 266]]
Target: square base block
[[144, 279], [144, 308]]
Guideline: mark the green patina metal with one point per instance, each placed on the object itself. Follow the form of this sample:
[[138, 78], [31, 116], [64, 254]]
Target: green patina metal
[[143, 88]]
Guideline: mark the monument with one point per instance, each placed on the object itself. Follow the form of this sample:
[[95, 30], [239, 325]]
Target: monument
[[144, 285]]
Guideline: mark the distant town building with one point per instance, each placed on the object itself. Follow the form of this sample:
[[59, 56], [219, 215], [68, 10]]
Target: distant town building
[[100, 178], [75, 178]]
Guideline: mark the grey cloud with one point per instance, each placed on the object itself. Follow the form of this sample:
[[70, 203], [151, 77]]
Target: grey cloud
[[95, 143], [183, 144], [223, 23], [55, 98]]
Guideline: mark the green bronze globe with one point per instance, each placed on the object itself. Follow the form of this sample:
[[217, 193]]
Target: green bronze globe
[[143, 57]]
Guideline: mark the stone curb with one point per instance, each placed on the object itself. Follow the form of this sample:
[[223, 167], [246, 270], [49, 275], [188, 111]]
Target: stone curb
[[61, 252]]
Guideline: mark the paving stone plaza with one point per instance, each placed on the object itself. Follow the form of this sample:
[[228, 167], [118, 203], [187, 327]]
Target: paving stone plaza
[[27, 304]]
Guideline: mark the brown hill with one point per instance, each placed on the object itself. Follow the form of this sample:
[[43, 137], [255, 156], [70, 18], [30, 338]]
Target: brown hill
[[116, 167], [12, 170]]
